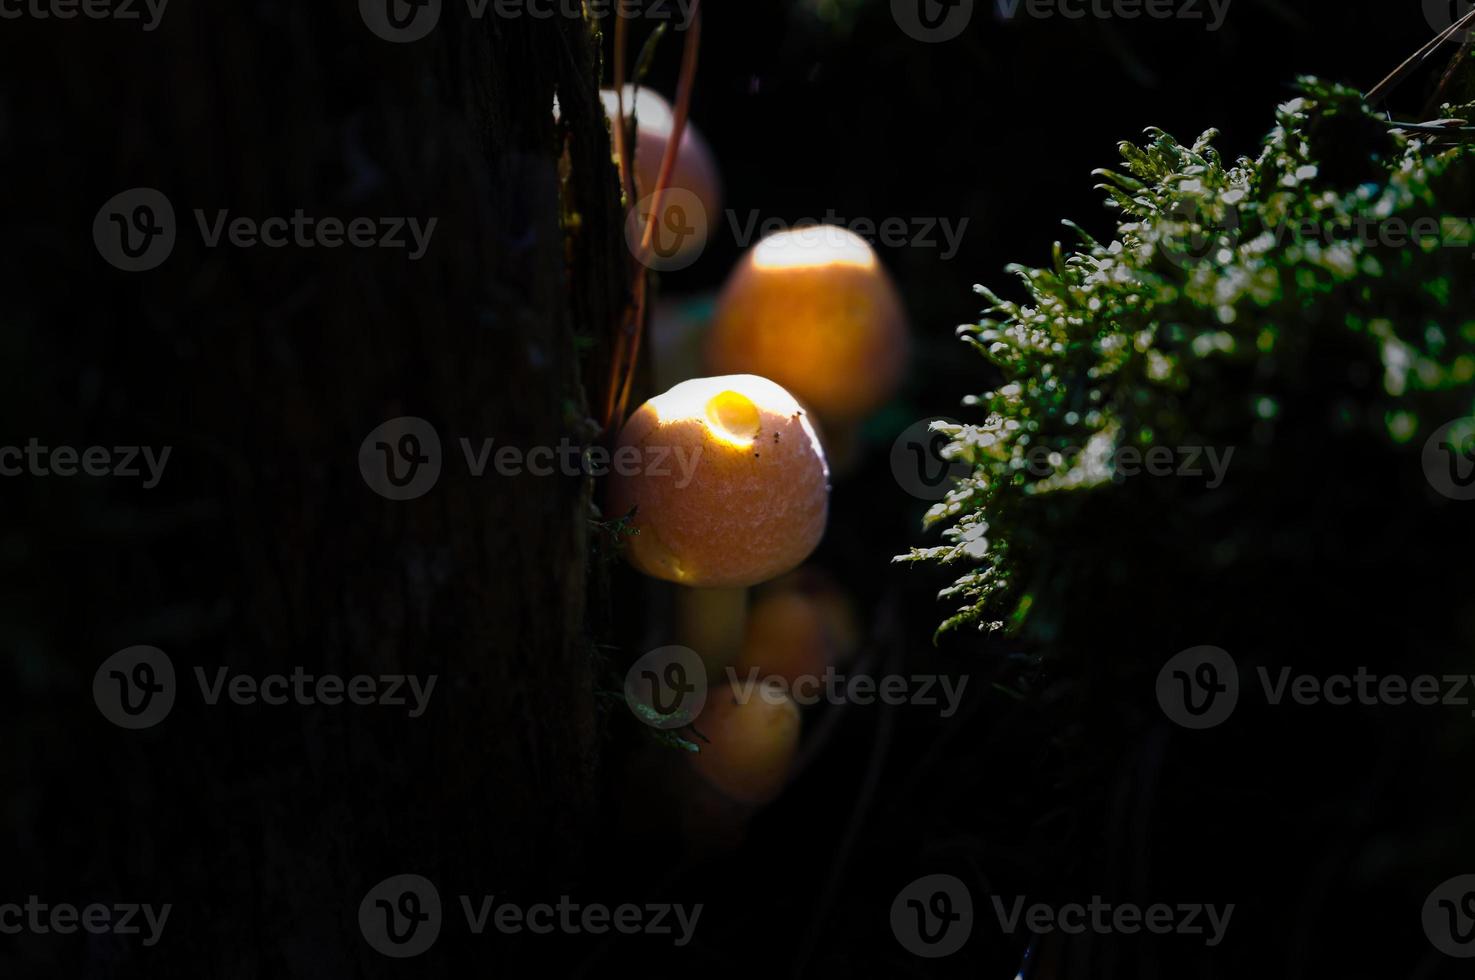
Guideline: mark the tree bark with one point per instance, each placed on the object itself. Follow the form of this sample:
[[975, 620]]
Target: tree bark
[[263, 549]]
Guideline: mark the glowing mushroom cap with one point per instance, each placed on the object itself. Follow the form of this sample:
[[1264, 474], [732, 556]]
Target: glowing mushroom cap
[[751, 738], [731, 487], [695, 170], [813, 309]]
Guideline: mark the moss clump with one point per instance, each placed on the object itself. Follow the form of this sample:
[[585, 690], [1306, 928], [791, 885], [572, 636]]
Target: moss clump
[[1311, 312]]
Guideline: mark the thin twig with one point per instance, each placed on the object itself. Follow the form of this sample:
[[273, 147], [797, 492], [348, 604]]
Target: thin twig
[[622, 121], [627, 184], [690, 50], [1449, 76], [1430, 127], [1417, 58]]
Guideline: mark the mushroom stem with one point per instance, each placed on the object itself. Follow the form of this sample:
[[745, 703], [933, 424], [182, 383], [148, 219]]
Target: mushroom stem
[[711, 622]]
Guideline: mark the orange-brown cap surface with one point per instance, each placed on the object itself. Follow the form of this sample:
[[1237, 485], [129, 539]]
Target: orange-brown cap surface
[[814, 310], [727, 479]]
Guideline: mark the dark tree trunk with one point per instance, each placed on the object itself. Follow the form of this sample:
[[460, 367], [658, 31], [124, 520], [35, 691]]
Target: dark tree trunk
[[262, 548]]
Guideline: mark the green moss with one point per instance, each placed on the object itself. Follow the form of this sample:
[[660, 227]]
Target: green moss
[[1229, 292]]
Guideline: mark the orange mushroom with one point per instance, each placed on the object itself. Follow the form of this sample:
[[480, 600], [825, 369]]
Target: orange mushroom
[[813, 309], [751, 738], [730, 486]]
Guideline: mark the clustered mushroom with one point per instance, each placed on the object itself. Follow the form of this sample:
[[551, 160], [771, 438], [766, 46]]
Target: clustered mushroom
[[808, 322]]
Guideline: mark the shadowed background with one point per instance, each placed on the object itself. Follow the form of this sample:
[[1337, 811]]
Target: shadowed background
[[262, 549]]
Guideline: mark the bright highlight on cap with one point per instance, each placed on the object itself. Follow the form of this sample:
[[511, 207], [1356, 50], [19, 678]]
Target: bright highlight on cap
[[734, 416], [650, 110], [814, 246]]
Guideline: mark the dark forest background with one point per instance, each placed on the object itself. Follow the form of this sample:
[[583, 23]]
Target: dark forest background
[[262, 548]]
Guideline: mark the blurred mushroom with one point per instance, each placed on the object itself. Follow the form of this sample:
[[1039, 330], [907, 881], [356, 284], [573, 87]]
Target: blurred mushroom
[[751, 737], [695, 170], [813, 309], [797, 627]]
